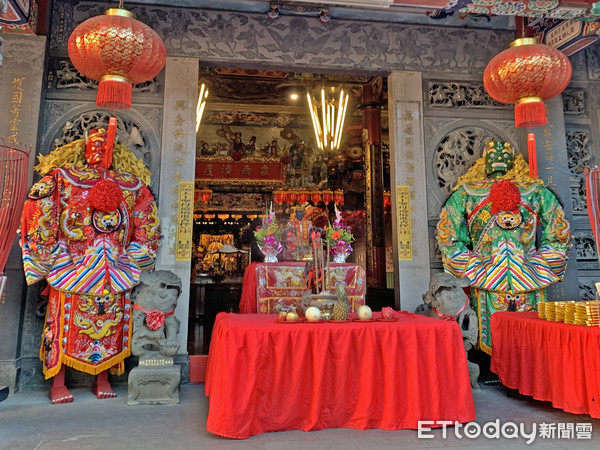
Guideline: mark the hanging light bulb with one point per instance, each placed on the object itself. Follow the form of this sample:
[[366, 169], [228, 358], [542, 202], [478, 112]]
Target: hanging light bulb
[[201, 104], [329, 122]]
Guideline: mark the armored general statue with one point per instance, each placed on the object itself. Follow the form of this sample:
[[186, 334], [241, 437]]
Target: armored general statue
[[447, 300], [487, 233], [89, 227]]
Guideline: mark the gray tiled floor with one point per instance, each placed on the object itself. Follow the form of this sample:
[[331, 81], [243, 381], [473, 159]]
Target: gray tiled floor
[[28, 421]]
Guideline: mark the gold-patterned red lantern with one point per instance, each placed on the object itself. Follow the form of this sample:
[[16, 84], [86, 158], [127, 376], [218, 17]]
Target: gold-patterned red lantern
[[303, 196], [315, 196], [117, 50], [525, 75], [291, 196], [278, 196], [327, 195], [338, 196]]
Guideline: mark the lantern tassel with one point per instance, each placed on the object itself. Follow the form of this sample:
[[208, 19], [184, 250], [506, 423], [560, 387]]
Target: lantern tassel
[[530, 113], [111, 135], [533, 171], [114, 92]]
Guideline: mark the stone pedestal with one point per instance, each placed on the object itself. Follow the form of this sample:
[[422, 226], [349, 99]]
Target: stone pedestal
[[154, 382]]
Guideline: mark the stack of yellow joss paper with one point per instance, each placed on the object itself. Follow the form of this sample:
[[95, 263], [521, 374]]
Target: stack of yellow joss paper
[[572, 313], [570, 309], [588, 313], [551, 311], [541, 310]]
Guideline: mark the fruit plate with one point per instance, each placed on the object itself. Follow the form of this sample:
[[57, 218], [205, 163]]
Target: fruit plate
[[364, 320], [314, 321], [381, 319], [339, 321], [291, 321]]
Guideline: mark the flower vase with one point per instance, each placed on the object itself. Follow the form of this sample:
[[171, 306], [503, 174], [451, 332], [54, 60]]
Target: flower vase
[[270, 252], [340, 255]]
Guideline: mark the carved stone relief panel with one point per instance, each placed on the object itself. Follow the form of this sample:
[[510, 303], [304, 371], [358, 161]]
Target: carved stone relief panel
[[461, 95], [136, 129], [233, 37], [574, 102], [592, 54], [579, 154], [65, 81], [587, 288], [578, 63], [585, 246]]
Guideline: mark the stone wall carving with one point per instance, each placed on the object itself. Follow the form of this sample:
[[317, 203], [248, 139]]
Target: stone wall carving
[[63, 76], [587, 288], [461, 95], [295, 40], [574, 102], [579, 155], [592, 54], [585, 246]]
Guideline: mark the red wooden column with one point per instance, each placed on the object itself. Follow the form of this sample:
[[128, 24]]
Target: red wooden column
[[371, 108]]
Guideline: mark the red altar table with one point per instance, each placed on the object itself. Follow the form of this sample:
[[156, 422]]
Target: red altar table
[[267, 285], [266, 376], [550, 361]]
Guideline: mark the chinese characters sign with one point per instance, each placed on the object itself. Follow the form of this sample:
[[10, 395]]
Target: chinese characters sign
[[15, 109], [183, 246], [404, 228], [254, 171]]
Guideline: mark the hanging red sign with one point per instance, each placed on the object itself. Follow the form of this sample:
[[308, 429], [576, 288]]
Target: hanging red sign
[[248, 171]]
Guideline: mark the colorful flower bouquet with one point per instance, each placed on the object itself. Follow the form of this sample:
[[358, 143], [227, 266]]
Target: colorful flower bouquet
[[339, 237], [267, 237]]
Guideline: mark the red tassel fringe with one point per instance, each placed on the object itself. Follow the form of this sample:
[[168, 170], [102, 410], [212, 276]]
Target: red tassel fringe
[[114, 94], [533, 170], [111, 134], [530, 114]]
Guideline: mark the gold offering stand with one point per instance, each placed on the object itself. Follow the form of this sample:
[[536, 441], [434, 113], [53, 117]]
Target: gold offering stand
[[323, 299]]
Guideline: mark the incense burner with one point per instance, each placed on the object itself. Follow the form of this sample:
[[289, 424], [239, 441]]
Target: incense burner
[[324, 301]]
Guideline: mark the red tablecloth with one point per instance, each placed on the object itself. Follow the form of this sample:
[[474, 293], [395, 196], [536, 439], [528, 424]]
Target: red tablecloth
[[550, 361], [268, 284], [266, 376]]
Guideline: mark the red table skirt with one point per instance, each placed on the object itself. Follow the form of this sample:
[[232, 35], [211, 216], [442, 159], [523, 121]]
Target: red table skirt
[[267, 285], [550, 361], [266, 376]]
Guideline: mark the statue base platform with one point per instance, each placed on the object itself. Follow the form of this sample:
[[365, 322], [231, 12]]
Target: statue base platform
[[154, 385]]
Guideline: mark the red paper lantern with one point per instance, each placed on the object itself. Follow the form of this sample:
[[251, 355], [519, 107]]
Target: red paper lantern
[[205, 194], [291, 196], [278, 196], [327, 195], [303, 196], [338, 196], [526, 74], [387, 199], [117, 50], [315, 196]]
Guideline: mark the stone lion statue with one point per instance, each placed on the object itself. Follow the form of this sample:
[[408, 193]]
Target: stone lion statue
[[155, 327], [447, 300]]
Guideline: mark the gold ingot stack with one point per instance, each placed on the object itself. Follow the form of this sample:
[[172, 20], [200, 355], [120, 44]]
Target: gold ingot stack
[[560, 311], [541, 310], [551, 311], [588, 313], [570, 309]]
